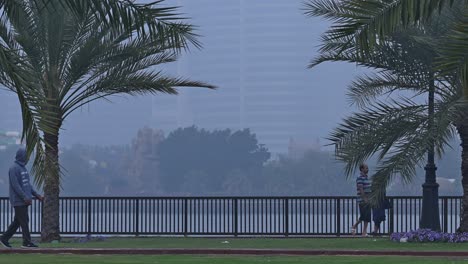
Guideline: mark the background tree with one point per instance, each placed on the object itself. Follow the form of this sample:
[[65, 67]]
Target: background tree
[[316, 173], [238, 182], [191, 151], [99, 165]]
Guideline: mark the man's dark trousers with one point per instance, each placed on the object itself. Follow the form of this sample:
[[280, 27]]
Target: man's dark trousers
[[21, 220]]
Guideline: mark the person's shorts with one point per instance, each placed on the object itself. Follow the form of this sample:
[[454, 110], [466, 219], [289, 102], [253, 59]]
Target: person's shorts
[[365, 212]]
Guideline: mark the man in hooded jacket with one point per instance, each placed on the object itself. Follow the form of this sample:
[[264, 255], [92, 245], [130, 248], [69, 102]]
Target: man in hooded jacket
[[21, 195]]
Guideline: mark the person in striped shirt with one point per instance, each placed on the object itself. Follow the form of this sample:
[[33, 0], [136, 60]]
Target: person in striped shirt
[[363, 186]]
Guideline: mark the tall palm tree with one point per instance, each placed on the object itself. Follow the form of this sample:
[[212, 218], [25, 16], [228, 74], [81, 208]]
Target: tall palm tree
[[58, 57], [386, 118], [361, 25]]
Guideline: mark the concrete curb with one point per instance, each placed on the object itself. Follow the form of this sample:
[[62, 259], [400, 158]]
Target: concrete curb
[[259, 252]]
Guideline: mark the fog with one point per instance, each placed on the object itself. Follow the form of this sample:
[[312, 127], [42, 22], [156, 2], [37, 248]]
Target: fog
[[256, 52]]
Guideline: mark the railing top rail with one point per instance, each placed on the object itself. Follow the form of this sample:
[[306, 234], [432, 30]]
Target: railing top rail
[[233, 197]]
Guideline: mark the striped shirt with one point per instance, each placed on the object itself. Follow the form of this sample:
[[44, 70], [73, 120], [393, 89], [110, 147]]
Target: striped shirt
[[366, 186]]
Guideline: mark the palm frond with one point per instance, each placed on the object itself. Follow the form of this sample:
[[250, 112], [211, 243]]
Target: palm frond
[[368, 87], [375, 129], [454, 55], [398, 134], [134, 84], [150, 19], [366, 22], [32, 114], [405, 157]]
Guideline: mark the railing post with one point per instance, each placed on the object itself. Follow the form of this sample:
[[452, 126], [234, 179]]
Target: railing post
[[137, 217], [445, 214], [235, 216], [185, 217], [391, 218], [286, 216], [89, 216], [41, 210], [338, 216]]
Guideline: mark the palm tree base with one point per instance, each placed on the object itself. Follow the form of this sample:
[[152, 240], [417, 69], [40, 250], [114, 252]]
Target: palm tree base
[[464, 207], [48, 237]]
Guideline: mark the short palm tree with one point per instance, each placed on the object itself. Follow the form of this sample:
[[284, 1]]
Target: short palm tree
[[60, 55], [361, 25]]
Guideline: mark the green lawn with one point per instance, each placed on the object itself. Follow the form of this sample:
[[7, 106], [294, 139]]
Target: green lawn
[[269, 243], [65, 259]]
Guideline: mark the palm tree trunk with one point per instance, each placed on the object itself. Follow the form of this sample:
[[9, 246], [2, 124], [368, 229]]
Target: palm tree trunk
[[462, 128], [50, 214]]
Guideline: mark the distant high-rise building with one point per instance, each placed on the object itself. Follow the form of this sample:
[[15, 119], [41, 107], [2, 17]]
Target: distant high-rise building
[[256, 52]]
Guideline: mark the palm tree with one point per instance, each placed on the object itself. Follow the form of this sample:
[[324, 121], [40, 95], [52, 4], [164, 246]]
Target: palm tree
[[58, 57], [361, 24], [382, 121]]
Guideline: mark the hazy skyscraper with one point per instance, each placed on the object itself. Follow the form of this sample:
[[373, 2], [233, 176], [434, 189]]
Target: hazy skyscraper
[[256, 52]]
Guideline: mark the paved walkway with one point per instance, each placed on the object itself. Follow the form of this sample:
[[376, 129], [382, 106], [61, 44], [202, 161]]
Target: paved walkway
[[295, 252]]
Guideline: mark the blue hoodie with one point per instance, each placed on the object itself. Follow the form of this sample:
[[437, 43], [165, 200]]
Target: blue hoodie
[[20, 186]]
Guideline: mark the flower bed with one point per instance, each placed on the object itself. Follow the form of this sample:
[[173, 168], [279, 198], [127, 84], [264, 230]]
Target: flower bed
[[427, 235]]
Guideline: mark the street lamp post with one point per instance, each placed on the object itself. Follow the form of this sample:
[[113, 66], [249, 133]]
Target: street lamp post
[[430, 207]]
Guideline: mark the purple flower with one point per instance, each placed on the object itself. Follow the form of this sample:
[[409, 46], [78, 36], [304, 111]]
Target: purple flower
[[427, 235]]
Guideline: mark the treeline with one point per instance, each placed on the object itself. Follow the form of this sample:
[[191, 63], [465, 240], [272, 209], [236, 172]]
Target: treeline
[[193, 161]]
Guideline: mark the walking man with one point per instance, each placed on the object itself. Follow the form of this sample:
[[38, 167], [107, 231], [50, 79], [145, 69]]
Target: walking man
[[21, 194], [363, 186]]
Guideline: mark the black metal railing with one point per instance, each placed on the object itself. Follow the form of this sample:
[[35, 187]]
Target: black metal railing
[[233, 216]]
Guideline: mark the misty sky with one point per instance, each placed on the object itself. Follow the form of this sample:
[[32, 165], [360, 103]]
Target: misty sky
[[268, 33]]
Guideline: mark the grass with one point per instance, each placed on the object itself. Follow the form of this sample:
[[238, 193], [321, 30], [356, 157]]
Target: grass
[[266, 243], [262, 243], [137, 259]]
